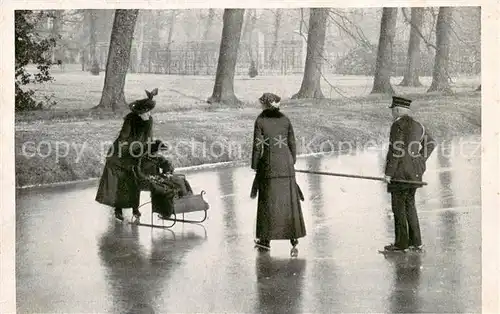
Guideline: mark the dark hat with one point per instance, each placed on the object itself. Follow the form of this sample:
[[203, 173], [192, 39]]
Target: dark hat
[[269, 99], [400, 102], [144, 105]]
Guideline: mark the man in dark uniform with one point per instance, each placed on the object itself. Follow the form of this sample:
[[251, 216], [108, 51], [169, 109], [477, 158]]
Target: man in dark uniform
[[409, 148]]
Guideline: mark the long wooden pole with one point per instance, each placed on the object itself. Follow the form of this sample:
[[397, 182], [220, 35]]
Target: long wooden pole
[[359, 177]]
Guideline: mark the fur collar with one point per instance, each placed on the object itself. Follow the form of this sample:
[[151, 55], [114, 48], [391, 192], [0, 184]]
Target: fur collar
[[136, 118], [271, 113]]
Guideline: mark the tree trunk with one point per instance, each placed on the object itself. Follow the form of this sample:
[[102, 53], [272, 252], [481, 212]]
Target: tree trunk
[[56, 32], [277, 24], [94, 64], [146, 46], [250, 21], [311, 87], [169, 40], [140, 40], [383, 65], [210, 20], [411, 76], [118, 59], [153, 64], [440, 74], [228, 54], [85, 46]]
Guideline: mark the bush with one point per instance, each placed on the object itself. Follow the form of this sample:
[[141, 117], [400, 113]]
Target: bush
[[31, 48], [359, 61], [252, 72], [94, 70], [362, 60]]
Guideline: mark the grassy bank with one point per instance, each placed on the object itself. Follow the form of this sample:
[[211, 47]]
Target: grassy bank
[[208, 135], [76, 91]]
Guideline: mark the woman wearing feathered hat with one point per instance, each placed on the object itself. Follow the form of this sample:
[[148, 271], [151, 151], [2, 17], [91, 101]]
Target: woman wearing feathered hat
[[118, 187], [279, 212]]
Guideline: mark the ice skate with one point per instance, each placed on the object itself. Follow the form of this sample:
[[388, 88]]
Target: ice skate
[[136, 213], [262, 245], [294, 252], [119, 214], [416, 248], [392, 249]]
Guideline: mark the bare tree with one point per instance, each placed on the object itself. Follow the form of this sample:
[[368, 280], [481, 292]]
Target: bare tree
[[118, 59], [210, 20], [224, 79], [311, 81], [411, 75], [278, 14], [440, 74], [173, 14], [83, 47], [250, 21], [347, 26], [141, 22], [383, 65], [303, 24], [155, 43], [94, 64], [56, 33]]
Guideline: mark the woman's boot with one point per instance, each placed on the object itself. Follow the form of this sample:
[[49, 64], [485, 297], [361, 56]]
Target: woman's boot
[[136, 213], [119, 214], [294, 252]]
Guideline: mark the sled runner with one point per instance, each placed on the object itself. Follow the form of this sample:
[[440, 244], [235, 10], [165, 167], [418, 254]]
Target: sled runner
[[171, 194], [181, 206]]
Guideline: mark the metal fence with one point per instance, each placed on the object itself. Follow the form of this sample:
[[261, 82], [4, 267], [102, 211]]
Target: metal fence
[[282, 58], [202, 60]]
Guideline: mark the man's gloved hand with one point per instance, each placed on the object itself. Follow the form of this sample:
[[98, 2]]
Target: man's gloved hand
[[387, 179]]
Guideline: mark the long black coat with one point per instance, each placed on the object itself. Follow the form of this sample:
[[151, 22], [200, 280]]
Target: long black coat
[[279, 213], [274, 150], [409, 148], [118, 186]]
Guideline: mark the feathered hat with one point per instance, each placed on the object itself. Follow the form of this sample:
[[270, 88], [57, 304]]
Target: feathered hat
[[144, 105]]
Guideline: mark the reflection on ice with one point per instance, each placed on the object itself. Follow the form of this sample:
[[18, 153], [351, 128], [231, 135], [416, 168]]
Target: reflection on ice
[[73, 257]]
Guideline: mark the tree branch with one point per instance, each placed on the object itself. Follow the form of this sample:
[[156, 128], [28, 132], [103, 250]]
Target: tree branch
[[413, 26], [459, 38], [361, 38]]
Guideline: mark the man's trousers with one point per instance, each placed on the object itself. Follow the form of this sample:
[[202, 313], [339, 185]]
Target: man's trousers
[[406, 225]]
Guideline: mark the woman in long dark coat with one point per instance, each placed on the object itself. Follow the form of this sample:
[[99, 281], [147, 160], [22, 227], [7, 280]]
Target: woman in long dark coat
[[118, 186], [279, 212]]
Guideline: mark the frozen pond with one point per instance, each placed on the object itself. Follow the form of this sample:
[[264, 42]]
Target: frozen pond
[[72, 256]]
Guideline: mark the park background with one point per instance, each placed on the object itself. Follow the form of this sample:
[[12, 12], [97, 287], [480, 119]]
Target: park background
[[336, 70]]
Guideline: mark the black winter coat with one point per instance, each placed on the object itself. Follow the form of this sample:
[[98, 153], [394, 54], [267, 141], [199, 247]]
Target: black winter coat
[[118, 186], [409, 148]]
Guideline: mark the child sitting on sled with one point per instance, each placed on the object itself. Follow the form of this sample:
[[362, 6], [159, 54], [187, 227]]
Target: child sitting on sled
[[165, 170], [157, 173]]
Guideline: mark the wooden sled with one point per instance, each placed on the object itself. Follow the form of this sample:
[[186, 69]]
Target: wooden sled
[[186, 204]]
